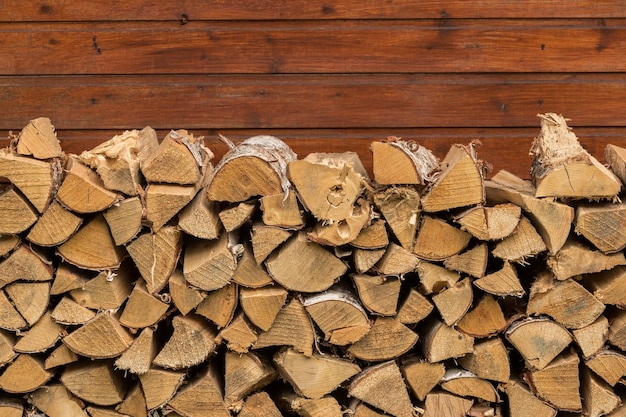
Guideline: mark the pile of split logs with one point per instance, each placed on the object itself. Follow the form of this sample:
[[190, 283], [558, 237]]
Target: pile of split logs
[[137, 279]]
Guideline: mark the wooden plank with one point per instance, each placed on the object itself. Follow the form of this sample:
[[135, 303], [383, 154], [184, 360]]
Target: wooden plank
[[363, 46], [312, 101], [503, 148], [190, 10]]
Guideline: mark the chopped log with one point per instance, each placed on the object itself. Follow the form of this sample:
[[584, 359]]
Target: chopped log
[[574, 258], [382, 387], [134, 404], [387, 339], [184, 297], [523, 243], [401, 208], [465, 384], [192, 341], [438, 240], [40, 337], [485, 319], [259, 404], [397, 261], [11, 408], [25, 374], [56, 401], [39, 140], [442, 342], [100, 338], [37, 180], [342, 232], [181, 159], [398, 161], [598, 398], [567, 302], [558, 383], [82, 190], [538, 340], [60, 356], [265, 239], [282, 210], [379, 294], [164, 201], [291, 327], [234, 217], [313, 376], [360, 409], [434, 278], [67, 277], [258, 165], [365, 259], [422, 377], [8, 243], [339, 315], [414, 308], [459, 184], [30, 299], [440, 404], [609, 365], [249, 273], [142, 308], [304, 266], [373, 236], [523, 403], [489, 360], [562, 168], [107, 291], [609, 287], [156, 255], [219, 305], [261, 305], [7, 354], [11, 203], [209, 264], [159, 386], [503, 282], [472, 262], [592, 337], [55, 226], [200, 218], [616, 159], [240, 335], [490, 223], [103, 412], [24, 263], [304, 407], [617, 330], [10, 319], [202, 397], [124, 220], [452, 303], [139, 356], [602, 225], [92, 247], [245, 374]]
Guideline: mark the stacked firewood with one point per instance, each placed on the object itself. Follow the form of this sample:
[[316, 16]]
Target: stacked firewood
[[138, 279]]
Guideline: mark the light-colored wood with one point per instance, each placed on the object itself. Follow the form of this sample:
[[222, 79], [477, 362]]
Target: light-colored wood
[[440, 404], [56, 401], [304, 407], [235, 216], [598, 398], [459, 184], [103, 412], [258, 165], [55, 226], [67, 277], [29, 298], [282, 210], [239, 335], [202, 397], [452, 303], [610, 365], [485, 319], [259, 404], [265, 239], [156, 256], [592, 337], [471, 262], [437, 240], [397, 261], [558, 383], [82, 190], [25, 374], [609, 287], [489, 360], [164, 201], [100, 338], [8, 243], [617, 329], [134, 404], [10, 319], [11, 408], [562, 168], [538, 340], [40, 337], [159, 386], [379, 294], [401, 208], [60, 356], [602, 224], [414, 308], [342, 232], [142, 309], [92, 247], [373, 236], [24, 263], [339, 315], [10, 204], [245, 374], [107, 291], [184, 297], [261, 305], [503, 282], [219, 305], [7, 354], [365, 259], [387, 339], [466, 384], [525, 242], [39, 140], [616, 159], [209, 264], [434, 278], [382, 387], [522, 402], [575, 258], [249, 273], [138, 358], [191, 342], [490, 223], [200, 218], [422, 377], [397, 161], [567, 302], [124, 219], [442, 342], [304, 266], [291, 327], [360, 409]]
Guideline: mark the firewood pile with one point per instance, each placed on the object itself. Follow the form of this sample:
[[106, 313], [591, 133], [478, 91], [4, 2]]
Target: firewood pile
[[141, 279]]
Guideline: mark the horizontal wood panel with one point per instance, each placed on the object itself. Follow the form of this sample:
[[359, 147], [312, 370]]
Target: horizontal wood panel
[[423, 46], [323, 101], [189, 10], [502, 148]]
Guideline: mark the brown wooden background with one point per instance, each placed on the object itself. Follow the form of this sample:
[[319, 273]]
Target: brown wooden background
[[323, 75]]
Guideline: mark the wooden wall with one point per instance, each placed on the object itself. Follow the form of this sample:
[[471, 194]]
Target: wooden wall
[[324, 75]]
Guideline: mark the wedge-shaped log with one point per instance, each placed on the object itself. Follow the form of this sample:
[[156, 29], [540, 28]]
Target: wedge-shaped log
[[11, 202], [184, 297], [414, 308], [200, 218], [503, 282], [164, 201], [434, 278], [39, 140], [373, 236], [344, 231], [452, 303], [40, 337], [559, 383], [365, 259], [219, 305], [305, 407], [490, 223], [525, 242], [442, 342], [421, 376], [616, 159], [100, 338], [261, 305], [209, 264], [379, 294], [465, 384], [192, 341], [437, 240], [598, 398], [259, 404], [397, 161], [159, 386], [142, 308], [489, 360], [124, 220], [56, 401], [25, 374], [7, 354], [441, 403], [95, 382], [617, 329], [24, 264], [401, 208], [60, 356], [602, 225], [239, 335], [387, 339], [134, 403], [592, 338], [67, 277], [249, 273], [471, 262], [10, 319], [282, 210], [609, 365], [265, 239], [397, 261], [575, 258], [82, 190], [485, 319], [245, 374], [30, 299], [202, 397], [107, 291], [522, 402], [55, 226], [234, 217], [138, 358], [562, 168], [609, 286], [292, 327]]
